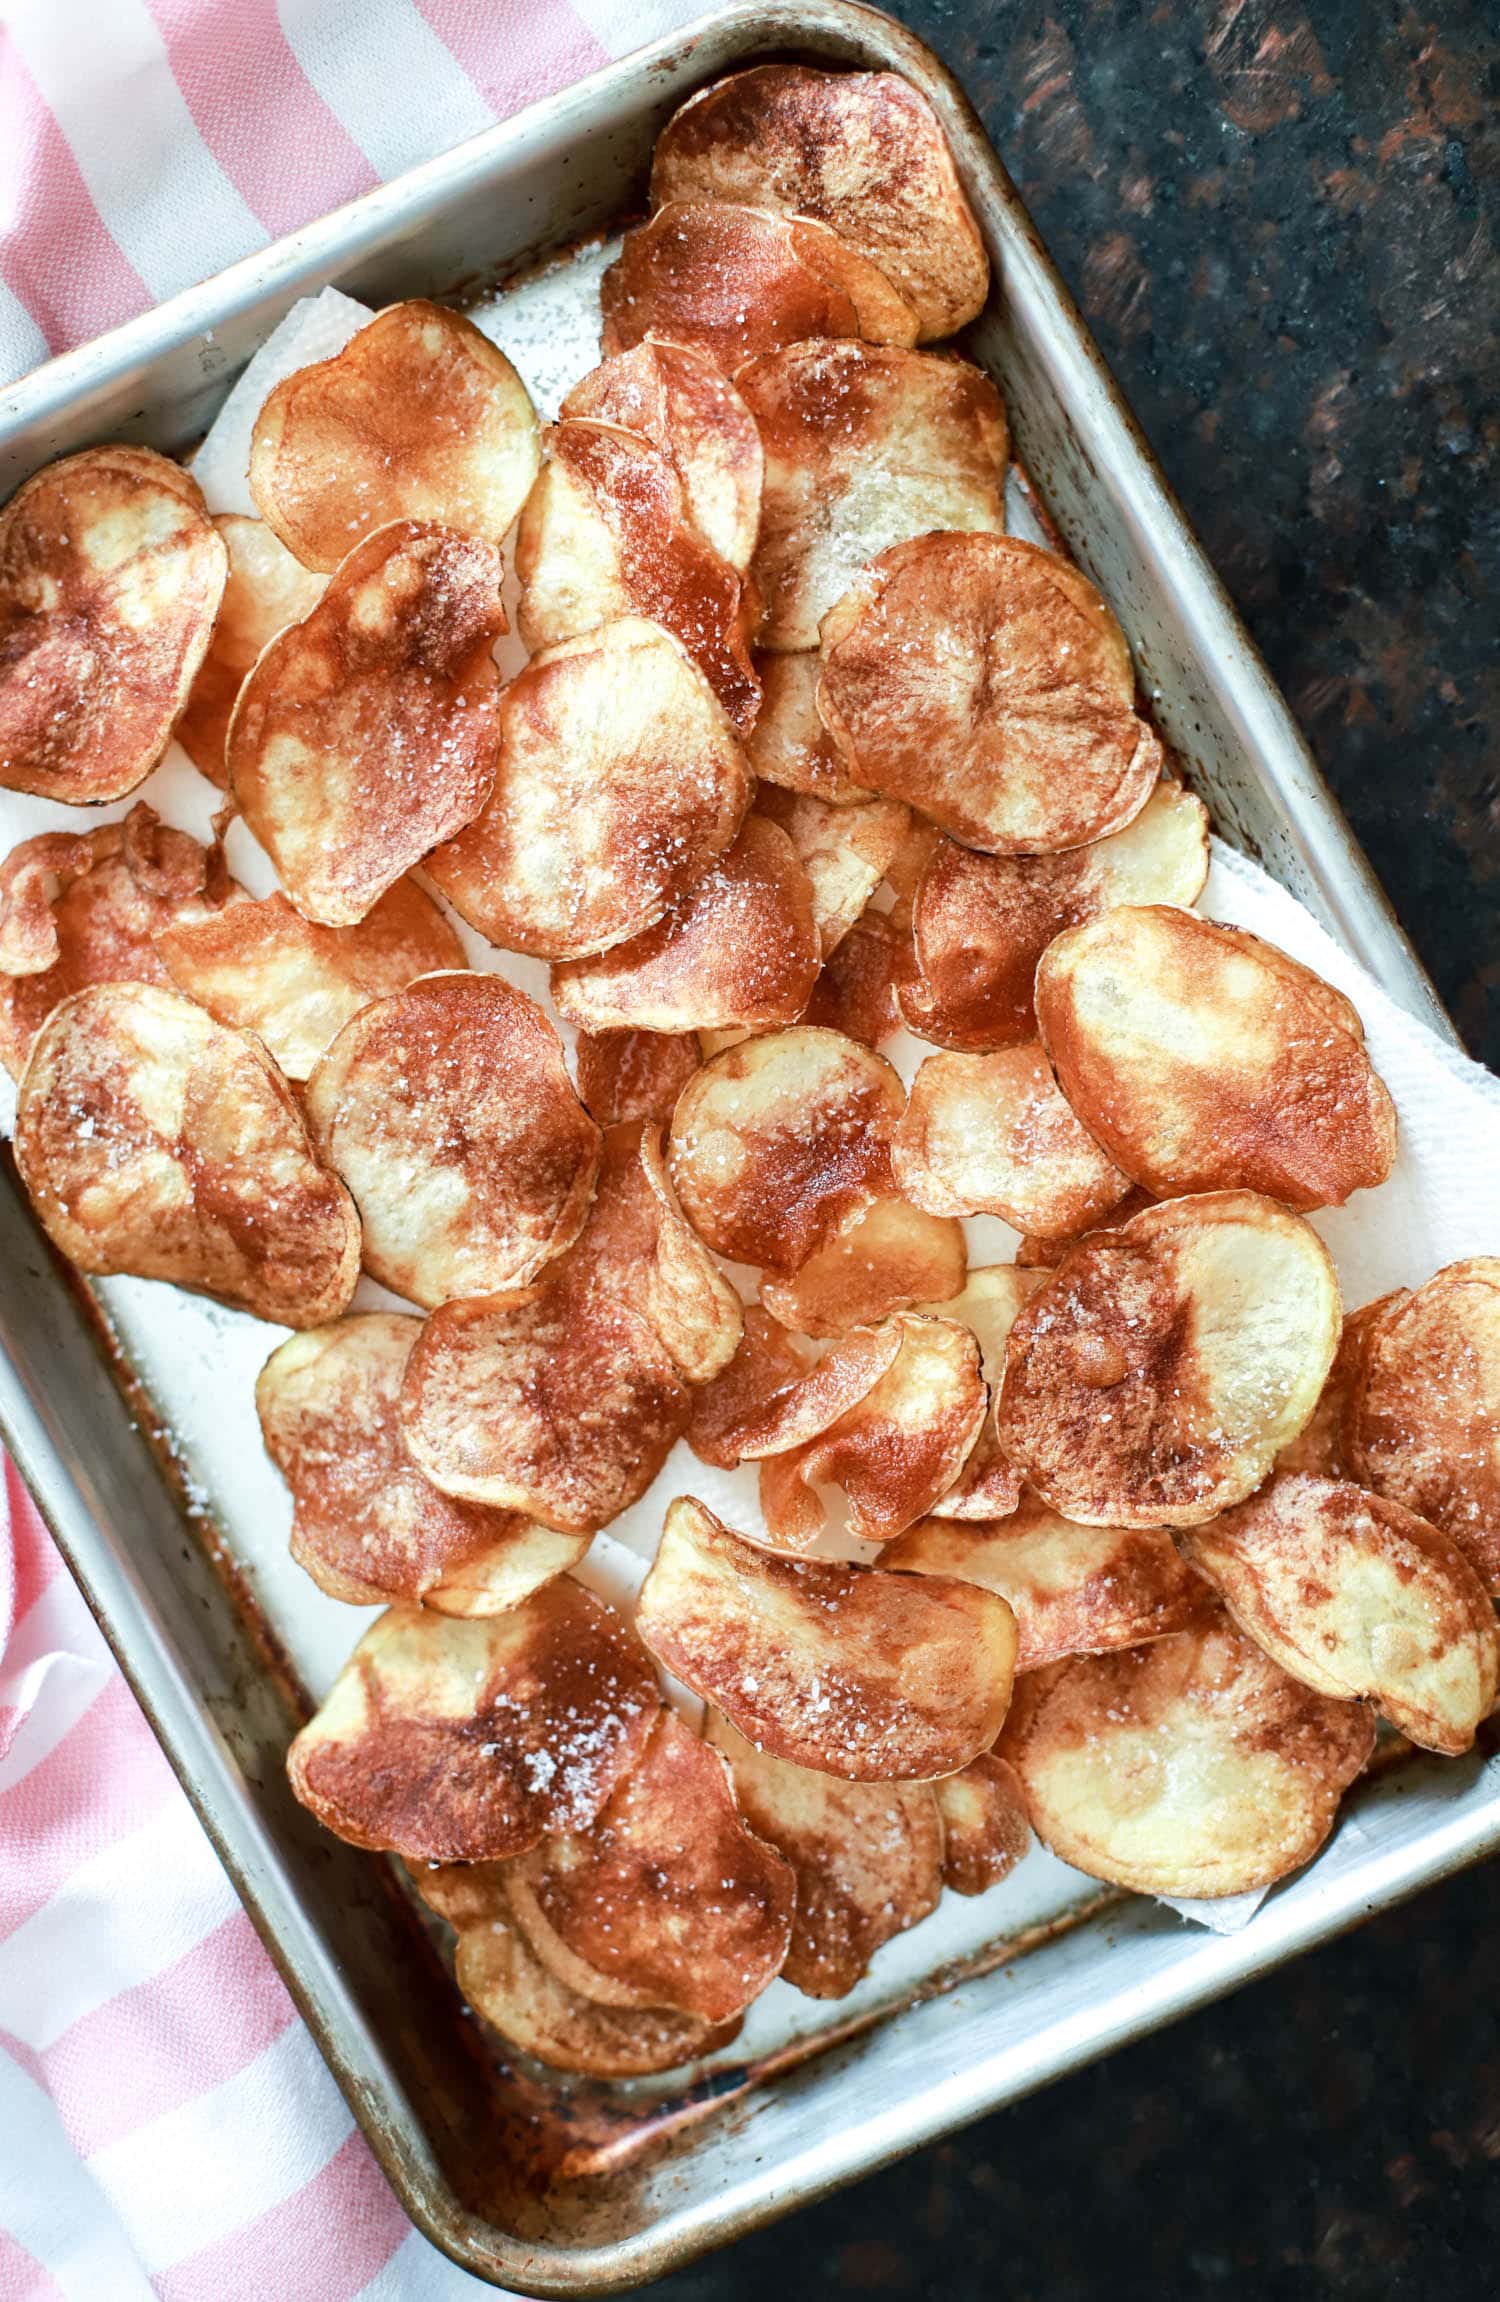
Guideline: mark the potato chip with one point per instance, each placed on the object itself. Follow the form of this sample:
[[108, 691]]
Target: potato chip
[[1038, 1254], [1423, 1420], [863, 151], [988, 1487], [844, 1669], [1192, 1766], [985, 1826], [1204, 1059], [111, 574], [777, 1140], [991, 1135], [867, 1858], [767, 1363], [638, 1246], [367, 733], [448, 1110], [881, 1258], [619, 782], [866, 445], [981, 922], [265, 590], [1320, 1448], [789, 746], [467, 1741], [264, 968], [367, 1526], [985, 682], [1159, 1370], [625, 1075], [1357, 1596], [734, 281], [737, 948], [155, 1142], [678, 400], [419, 417], [845, 851], [856, 991]]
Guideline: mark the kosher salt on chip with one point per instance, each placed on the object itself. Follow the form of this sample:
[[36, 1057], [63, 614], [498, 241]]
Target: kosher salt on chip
[[992, 1135], [879, 1259], [845, 850], [687, 408], [985, 1826], [265, 589]]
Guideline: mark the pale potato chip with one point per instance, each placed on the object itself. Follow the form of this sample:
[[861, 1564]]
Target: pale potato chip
[[738, 948], [1193, 1766], [856, 991], [845, 850], [419, 417], [626, 1075], [988, 1487], [986, 1830], [1320, 1448], [154, 1141], [992, 1135], [881, 1258], [1160, 1369], [264, 968], [367, 733], [1204, 1059], [789, 746], [619, 782], [684, 405], [1357, 1596], [985, 682], [844, 1669], [366, 1525], [767, 1363], [448, 1110], [866, 445], [467, 1741], [111, 574], [265, 589], [867, 1858], [863, 151]]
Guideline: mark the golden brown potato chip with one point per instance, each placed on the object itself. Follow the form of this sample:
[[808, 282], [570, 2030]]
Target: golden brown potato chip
[[881, 1258], [264, 968], [367, 1526], [1038, 1254], [367, 733], [981, 922], [863, 151], [739, 947], [985, 1826], [1357, 1596], [866, 445], [734, 281], [1320, 1448], [991, 1135], [844, 1669], [1159, 1370], [155, 1142], [767, 1364], [110, 578], [777, 1140], [988, 1487], [677, 399], [789, 746], [867, 1857], [638, 1247], [448, 1110], [265, 590], [419, 417], [619, 782], [466, 1741], [856, 991], [625, 1075], [985, 682], [845, 851], [1423, 1421], [1204, 1059]]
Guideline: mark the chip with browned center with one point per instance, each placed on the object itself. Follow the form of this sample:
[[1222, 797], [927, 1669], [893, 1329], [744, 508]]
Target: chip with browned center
[[881, 1258], [986, 1829], [687, 408], [265, 590], [992, 1135]]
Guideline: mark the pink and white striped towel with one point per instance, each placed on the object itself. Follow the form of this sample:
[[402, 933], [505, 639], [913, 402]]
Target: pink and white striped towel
[[167, 2128]]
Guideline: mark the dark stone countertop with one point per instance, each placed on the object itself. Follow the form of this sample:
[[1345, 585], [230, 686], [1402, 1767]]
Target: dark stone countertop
[[1275, 219]]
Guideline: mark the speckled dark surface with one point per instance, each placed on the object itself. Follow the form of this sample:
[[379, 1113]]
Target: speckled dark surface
[[1279, 223]]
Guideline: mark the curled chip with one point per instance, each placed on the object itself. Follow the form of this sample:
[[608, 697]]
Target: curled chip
[[452, 1741], [789, 746], [985, 1826], [366, 733], [866, 445], [777, 1140], [82, 907], [1423, 1420], [737, 948], [367, 1526], [1192, 1766], [265, 590], [677, 399], [264, 968], [980, 923], [419, 417], [1357, 1596], [863, 151], [606, 532], [992, 1135], [619, 781], [855, 993], [867, 1858], [638, 1247], [881, 1258], [1073, 1590], [986, 682], [448, 1110], [667, 1895], [1320, 1448], [155, 1142], [988, 1487], [767, 1363], [110, 578], [845, 851], [1159, 1370], [626, 1075], [844, 1669], [1204, 1059]]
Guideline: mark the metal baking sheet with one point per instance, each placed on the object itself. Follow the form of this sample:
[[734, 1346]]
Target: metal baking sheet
[[175, 1525]]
